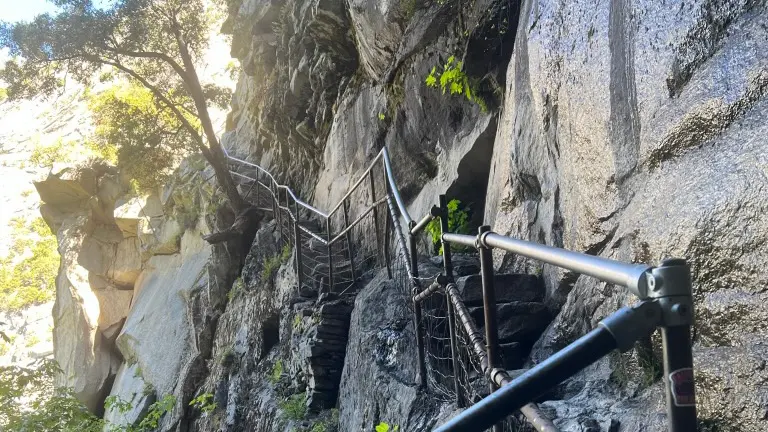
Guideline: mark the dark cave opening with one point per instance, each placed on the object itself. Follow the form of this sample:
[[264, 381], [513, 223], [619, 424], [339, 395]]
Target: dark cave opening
[[471, 185], [270, 333]]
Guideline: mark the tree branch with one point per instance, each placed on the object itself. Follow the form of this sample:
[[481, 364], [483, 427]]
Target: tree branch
[[162, 97]]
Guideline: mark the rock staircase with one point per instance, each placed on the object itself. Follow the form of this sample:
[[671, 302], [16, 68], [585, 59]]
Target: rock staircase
[[521, 312]]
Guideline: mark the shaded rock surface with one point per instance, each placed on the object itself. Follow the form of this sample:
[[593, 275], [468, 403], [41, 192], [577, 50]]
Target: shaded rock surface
[[636, 135]]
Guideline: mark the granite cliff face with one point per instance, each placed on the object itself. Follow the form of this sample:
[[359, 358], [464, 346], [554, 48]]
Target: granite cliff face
[[627, 129]]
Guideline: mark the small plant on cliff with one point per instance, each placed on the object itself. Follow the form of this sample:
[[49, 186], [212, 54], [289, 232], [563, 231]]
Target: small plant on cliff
[[453, 79], [204, 403], [273, 263], [277, 372], [295, 407], [238, 286], [458, 223], [385, 427]]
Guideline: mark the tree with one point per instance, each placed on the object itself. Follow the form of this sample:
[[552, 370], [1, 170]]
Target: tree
[[146, 139], [29, 402], [154, 43]]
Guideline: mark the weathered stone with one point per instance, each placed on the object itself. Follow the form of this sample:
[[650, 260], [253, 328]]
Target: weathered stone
[[64, 189], [130, 387], [160, 309], [378, 30], [604, 123], [85, 357], [379, 306], [507, 288], [114, 305]]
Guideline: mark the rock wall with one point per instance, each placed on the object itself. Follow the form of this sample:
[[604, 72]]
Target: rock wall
[[626, 129], [633, 130]]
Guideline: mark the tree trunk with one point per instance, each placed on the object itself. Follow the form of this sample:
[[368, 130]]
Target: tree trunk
[[217, 157]]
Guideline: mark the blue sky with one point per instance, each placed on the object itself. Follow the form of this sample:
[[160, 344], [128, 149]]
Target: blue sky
[[16, 10], [25, 10]]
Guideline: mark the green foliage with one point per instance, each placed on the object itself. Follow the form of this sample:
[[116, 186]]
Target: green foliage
[[204, 403], [237, 288], [271, 264], [146, 139], [233, 69], [458, 223], [226, 358], [3, 94], [28, 273], [152, 44], [47, 155], [298, 322], [454, 80], [295, 407], [382, 117], [286, 253], [29, 402], [277, 372], [155, 413], [385, 427]]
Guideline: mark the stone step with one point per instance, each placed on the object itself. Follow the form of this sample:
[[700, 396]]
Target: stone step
[[518, 321], [507, 287], [463, 264]]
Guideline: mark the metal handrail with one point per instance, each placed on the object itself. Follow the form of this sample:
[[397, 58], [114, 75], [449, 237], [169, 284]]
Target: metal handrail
[[666, 303], [382, 155]]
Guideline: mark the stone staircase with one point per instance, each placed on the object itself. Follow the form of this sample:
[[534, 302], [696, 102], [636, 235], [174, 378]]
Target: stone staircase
[[521, 312]]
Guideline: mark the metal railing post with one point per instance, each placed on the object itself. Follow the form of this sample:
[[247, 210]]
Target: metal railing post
[[349, 242], [297, 235], [489, 311], [417, 309], [389, 219], [276, 215], [258, 190], [448, 268], [375, 215], [330, 254], [672, 289]]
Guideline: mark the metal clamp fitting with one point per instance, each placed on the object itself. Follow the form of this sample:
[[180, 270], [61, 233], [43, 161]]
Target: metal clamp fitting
[[629, 324]]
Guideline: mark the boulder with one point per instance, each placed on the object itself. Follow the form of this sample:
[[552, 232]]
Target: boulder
[[127, 216], [382, 350], [518, 321], [66, 188]]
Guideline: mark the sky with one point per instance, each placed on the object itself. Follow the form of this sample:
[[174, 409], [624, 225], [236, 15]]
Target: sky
[[23, 10]]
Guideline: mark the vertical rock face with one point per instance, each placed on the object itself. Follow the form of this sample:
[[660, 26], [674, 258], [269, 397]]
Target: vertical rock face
[[96, 268], [633, 130]]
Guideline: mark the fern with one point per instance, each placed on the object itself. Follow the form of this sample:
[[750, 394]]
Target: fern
[[454, 80], [458, 222]]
